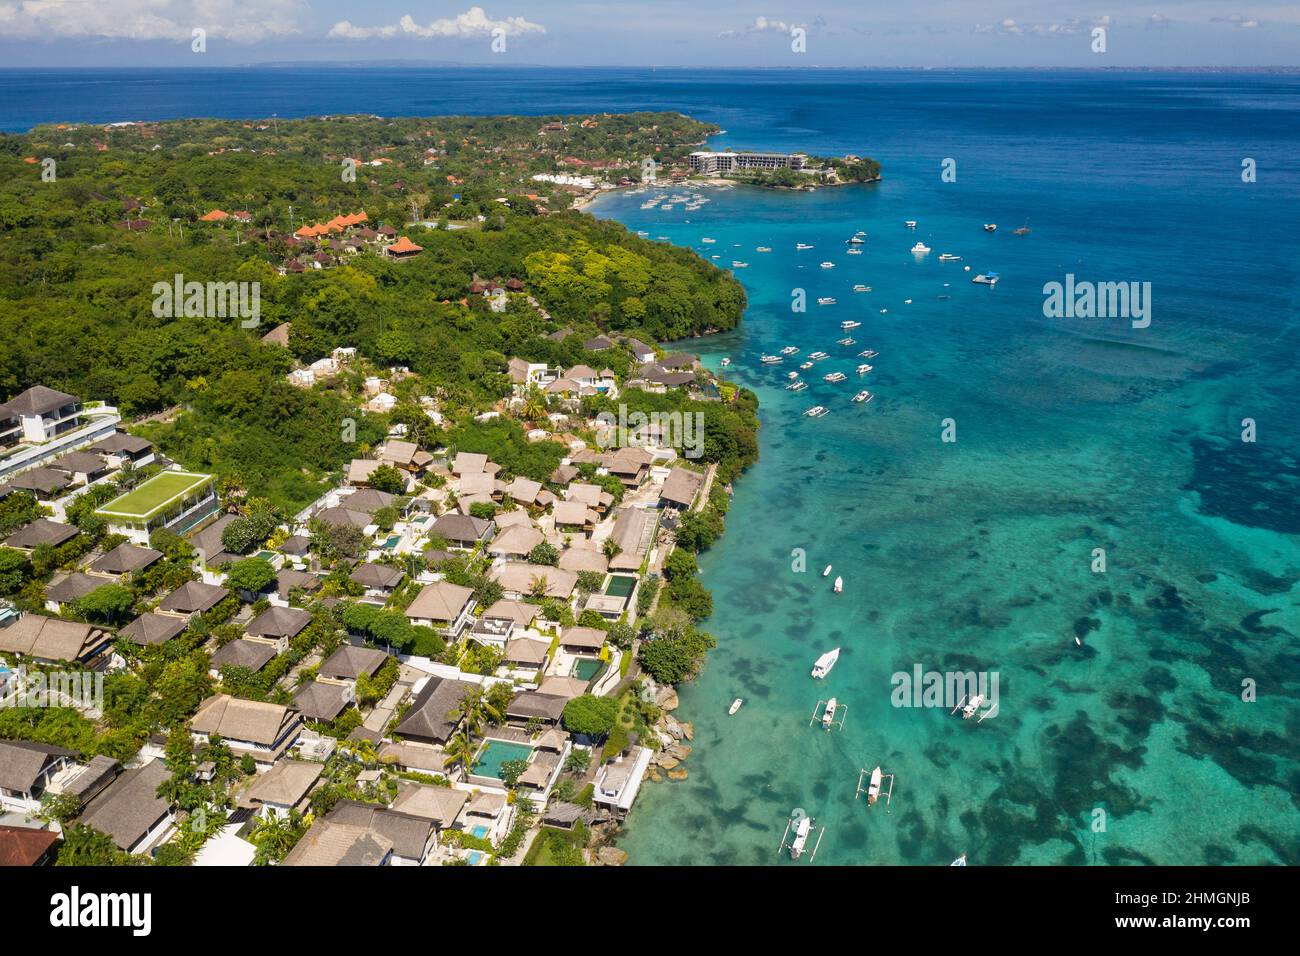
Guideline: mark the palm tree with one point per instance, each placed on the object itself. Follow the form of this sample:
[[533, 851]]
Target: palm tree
[[461, 749], [127, 476], [537, 586], [534, 406], [275, 836]]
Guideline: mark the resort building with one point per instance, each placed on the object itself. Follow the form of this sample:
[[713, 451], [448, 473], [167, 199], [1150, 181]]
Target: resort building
[[618, 781], [263, 731], [130, 811], [175, 500], [443, 606], [42, 423], [712, 164], [27, 769]]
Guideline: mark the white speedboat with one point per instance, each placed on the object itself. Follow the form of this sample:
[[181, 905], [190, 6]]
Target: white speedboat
[[960, 861], [986, 278], [826, 300], [861, 288], [735, 705], [817, 411], [948, 257], [789, 350], [770, 359], [725, 362], [828, 715], [907, 302], [708, 240], [763, 249], [990, 227], [818, 356], [853, 252], [873, 788], [737, 264], [910, 223], [822, 666], [920, 249], [849, 324], [835, 377], [802, 245], [864, 368], [828, 265], [862, 397], [826, 573], [857, 240], [839, 585], [868, 353], [802, 830], [806, 365], [792, 376]]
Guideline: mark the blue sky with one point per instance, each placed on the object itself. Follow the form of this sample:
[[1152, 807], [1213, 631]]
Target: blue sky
[[987, 33]]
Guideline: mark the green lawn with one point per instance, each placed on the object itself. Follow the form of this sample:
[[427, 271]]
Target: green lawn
[[155, 494]]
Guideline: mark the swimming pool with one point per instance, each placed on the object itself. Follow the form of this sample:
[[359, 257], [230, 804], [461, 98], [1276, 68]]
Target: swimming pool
[[620, 585], [480, 831], [585, 668], [495, 753]]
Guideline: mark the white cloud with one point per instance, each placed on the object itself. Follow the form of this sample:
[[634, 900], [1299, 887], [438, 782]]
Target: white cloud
[[760, 25], [151, 19], [474, 22]]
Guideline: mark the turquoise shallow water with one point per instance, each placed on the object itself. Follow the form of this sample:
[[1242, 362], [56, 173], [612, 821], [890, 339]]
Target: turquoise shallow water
[[977, 555]]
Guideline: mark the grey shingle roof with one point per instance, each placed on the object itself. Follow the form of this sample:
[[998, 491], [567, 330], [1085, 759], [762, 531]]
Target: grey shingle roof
[[42, 531], [126, 558], [37, 400], [430, 716], [350, 662], [153, 629], [21, 762], [130, 807]]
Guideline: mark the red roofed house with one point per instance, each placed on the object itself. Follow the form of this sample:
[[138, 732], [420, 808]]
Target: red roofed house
[[403, 248]]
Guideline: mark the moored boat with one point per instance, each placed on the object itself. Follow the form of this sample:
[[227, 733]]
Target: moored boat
[[828, 715], [822, 666], [735, 705]]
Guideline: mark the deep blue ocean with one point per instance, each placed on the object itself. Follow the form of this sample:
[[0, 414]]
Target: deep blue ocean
[[1134, 745]]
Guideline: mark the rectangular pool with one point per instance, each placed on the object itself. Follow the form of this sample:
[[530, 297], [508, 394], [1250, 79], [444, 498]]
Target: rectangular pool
[[497, 752], [585, 668], [620, 585]]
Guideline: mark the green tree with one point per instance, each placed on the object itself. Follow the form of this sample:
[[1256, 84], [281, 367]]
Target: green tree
[[589, 715], [108, 602], [251, 575], [84, 846], [14, 567], [544, 553], [388, 478]]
